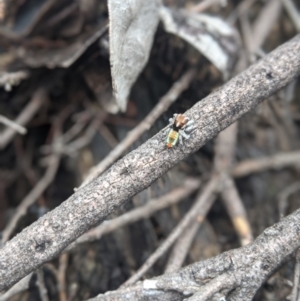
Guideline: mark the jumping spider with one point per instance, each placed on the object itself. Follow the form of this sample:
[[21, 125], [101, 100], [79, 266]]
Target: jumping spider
[[182, 126]]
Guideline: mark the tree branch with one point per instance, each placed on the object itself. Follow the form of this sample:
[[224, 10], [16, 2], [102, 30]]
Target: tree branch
[[48, 236], [237, 274]]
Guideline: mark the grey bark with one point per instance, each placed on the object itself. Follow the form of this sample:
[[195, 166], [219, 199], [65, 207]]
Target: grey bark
[[237, 274], [48, 236]]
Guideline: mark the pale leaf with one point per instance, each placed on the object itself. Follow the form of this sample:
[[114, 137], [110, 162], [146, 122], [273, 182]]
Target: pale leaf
[[132, 27], [211, 36]]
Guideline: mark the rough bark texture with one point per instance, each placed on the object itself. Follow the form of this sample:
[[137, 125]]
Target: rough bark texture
[[48, 236], [237, 273]]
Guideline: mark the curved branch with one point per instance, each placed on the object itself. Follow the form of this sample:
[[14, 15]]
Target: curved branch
[[237, 274], [48, 236]]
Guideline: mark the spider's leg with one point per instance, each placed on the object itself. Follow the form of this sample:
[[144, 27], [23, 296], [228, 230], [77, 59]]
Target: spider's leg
[[184, 134], [167, 130], [190, 127], [171, 120], [180, 139]]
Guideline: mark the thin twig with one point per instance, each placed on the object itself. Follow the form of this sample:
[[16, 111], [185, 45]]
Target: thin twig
[[181, 247], [37, 100], [107, 135], [178, 87], [205, 4], [295, 290], [202, 204], [283, 197], [18, 128], [276, 162], [171, 198], [293, 13], [86, 138], [50, 234], [224, 157], [41, 285], [236, 210], [263, 24], [61, 276], [31, 197], [240, 10]]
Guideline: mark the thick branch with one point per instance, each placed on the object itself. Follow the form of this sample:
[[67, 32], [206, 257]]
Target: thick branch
[[48, 236], [237, 274]]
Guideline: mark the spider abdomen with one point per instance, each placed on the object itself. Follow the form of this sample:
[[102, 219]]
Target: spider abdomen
[[172, 138]]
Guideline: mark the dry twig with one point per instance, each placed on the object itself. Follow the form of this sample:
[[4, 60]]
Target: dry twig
[[61, 276], [278, 161], [41, 285], [225, 153], [283, 197], [18, 128], [91, 204], [38, 99], [182, 246], [264, 23], [295, 290], [293, 13], [31, 197]]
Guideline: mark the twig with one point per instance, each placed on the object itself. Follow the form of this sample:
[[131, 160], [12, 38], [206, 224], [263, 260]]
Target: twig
[[225, 153], [293, 13], [277, 162], [205, 4], [38, 99], [32, 196], [19, 287], [178, 87], [171, 198], [236, 210], [85, 139], [202, 204], [295, 290], [181, 247], [263, 24], [61, 276], [18, 128], [238, 273], [241, 9], [107, 135], [283, 197], [41, 285], [49, 235]]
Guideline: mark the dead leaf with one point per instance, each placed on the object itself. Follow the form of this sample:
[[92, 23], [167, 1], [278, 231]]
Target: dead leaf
[[211, 36], [133, 24]]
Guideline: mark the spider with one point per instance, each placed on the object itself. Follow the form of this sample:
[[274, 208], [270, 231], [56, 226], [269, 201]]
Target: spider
[[182, 126]]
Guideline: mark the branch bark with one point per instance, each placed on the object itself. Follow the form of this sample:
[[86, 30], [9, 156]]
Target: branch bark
[[236, 274], [48, 236]]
